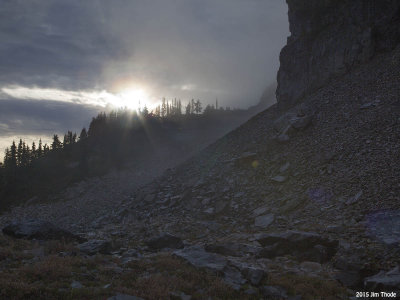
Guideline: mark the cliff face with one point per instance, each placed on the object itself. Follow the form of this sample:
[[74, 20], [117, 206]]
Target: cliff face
[[330, 37]]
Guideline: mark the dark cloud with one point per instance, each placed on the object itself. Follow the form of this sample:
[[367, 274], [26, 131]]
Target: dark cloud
[[227, 48], [174, 48], [32, 117]]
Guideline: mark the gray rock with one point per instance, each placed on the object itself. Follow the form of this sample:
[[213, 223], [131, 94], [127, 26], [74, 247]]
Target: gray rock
[[76, 285], [350, 271], [220, 206], [328, 39], [309, 266], [284, 167], [254, 275], [305, 246], [279, 178], [264, 221], [350, 279], [369, 104], [384, 281], [209, 211], [232, 249], [355, 198], [199, 258], [251, 291], [273, 292], [93, 247], [335, 228], [179, 296], [40, 230], [124, 297], [283, 138], [259, 211], [282, 124], [246, 159], [165, 240], [233, 277], [301, 123]]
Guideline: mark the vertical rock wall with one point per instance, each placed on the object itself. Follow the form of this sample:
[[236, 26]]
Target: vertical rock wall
[[330, 37]]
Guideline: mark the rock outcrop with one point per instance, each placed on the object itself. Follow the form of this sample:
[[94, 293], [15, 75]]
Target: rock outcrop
[[39, 230], [329, 38]]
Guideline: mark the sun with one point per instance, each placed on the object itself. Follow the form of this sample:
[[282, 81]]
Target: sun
[[133, 98]]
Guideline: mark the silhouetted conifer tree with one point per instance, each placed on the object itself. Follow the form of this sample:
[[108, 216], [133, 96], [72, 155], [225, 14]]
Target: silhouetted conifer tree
[[46, 150], [56, 145], [197, 107], [40, 149], [19, 152], [192, 106], [33, 152], [83, 134], [163, 108], [145, 112]]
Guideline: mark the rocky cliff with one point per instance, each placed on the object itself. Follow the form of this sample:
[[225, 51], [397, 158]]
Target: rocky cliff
[[329, 38]]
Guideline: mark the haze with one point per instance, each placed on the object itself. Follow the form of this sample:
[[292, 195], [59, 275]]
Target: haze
[[63, 61]]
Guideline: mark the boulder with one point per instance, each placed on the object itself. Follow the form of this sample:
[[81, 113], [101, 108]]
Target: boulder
[[279, 178], [301, 123], [273, 292], [232, 249], [246, 159], [93, 247], [233, 277], [264, 221], [305, 246], [199, 258], [124, 297], [384, 281], [165, 240], [40, 230], [351, 271], [179, 296], [76, 285], [254, 275]]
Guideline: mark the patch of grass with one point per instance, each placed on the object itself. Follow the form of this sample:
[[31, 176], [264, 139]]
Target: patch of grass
[[309, 287], [158, 277], [29, 273]]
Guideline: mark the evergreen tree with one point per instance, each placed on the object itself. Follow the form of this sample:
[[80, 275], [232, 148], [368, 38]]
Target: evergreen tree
[[197, 107], [208, 109], [56, 145], [7, 157], [179, 107], [33, 152], [25, 155], [13, 155], [40, 149], [46, 150], [188, 109], [19, 152], [145, 111], [168, 109], [163, 108], [83, 134], [192, 106]]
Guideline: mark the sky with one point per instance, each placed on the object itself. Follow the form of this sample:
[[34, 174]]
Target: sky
[[63, 61]]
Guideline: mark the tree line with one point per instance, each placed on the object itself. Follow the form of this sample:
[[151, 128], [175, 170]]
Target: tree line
[[110, 139]]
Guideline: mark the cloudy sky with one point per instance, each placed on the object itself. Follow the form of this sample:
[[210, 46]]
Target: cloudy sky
[[62, 61]]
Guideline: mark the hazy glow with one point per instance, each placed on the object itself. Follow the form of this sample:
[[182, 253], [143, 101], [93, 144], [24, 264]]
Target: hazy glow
[[132, 98]]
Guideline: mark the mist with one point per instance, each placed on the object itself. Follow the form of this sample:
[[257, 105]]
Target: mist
[[175, 49]]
